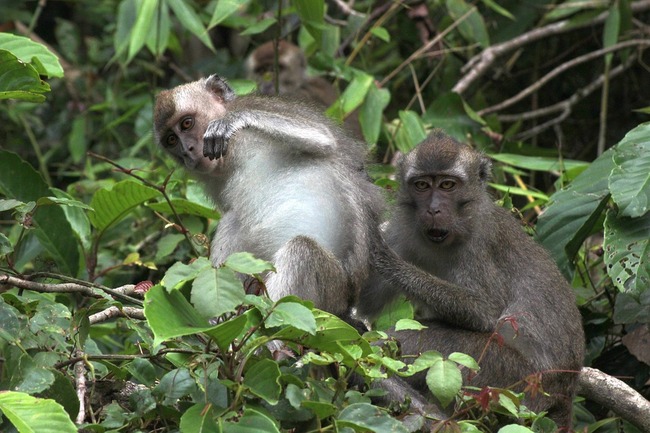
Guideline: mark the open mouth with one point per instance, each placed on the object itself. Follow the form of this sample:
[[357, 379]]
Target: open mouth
[[437, 235]]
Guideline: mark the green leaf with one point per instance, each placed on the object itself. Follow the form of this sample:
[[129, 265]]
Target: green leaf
[[27, 51], [574, 211], [199, 419], [224, 9], [112, 205], [226, 332], [627, 252], [371, 113], [5, 245], [191, 21], [19, 180], [263, 379], [498, 9], [31, 415], [539, 163], [366, 417], [630, 310], [444, 380], [19, 80], [465, 360], [216, 292], [251, 422], [513, 428], [170, 315], [630, 179], [381, 33], [514, 190], [353, 95], [180, 273], [473, 27], [411, 131], [448, 113], [612, 29], [175, 384], [143, 26], [246, 263], [292, 314], [406, 324], [312, 15], [260, 27]]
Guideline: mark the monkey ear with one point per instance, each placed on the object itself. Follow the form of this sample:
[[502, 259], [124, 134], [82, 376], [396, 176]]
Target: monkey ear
[[485, 169], [219, 87]]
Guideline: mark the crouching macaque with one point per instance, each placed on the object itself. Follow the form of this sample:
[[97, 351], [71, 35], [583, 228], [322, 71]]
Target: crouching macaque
[[288, 182], [505, 294]]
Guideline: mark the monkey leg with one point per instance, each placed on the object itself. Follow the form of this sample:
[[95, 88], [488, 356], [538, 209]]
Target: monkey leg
[[309, 271]]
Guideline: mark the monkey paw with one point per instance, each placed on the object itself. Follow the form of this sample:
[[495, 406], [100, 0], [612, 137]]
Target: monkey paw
[[216, 138]]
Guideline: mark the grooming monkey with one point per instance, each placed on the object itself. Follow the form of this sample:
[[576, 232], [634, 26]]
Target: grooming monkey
[[290, 190], [501, 281], [292, 78], [287, 181]]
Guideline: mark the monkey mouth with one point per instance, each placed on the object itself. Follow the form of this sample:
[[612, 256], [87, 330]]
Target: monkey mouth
[[437, 235]]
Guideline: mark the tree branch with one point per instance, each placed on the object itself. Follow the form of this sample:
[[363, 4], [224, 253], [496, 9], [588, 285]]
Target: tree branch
[[111, 312], [616, 395], [479, 64], [558, 70]]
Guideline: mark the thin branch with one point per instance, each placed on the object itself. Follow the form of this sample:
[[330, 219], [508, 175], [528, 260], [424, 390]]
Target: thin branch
[[80, 380], [479, 64], [111, 312], [423, 49], [558, 70], [94, 292], [564, 107]]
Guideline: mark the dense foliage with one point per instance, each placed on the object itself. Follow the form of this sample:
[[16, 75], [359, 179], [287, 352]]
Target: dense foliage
[[112, 318]]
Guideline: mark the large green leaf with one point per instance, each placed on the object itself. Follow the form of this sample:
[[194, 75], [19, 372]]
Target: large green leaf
[[574, 211], [627, 252], [111, 205], [35, 415], [312, 15], [539, 163], [630, 178], [372, 111], [19, 180], [19, 80], [224, 9], [180, 273], [444, 380], [411, 131], [216, 292], [199, 419], [252, 422], [26, 50], [366, 417], [143, 26], [263, 379], [472, 27], [183, 206], [293, 314], [191, 21]]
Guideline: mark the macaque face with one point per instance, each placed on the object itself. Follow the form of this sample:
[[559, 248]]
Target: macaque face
[[291, 68]]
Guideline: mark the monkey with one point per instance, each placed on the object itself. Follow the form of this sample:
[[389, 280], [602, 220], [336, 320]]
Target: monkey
[[287, 181], [503, 292], [292, 78]]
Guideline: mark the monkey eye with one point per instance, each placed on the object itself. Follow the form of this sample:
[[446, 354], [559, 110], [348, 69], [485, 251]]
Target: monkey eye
[[171, 140], [187, 123], [421, 185], [447, 184]]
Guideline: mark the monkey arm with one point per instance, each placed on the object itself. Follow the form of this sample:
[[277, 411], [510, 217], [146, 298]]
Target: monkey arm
[[297, 133], [467, 308]]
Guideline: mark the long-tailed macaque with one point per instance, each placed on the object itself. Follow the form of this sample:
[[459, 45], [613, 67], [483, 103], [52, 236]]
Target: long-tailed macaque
[[506, 295], [289, 184], [292, 74]]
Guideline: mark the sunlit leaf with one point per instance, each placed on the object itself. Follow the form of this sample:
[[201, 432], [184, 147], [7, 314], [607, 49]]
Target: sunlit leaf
[[30, 414], [27, 50], [191, 21], [630, 179], [112, 205], [444, 381], [216, 292], [292, 314]]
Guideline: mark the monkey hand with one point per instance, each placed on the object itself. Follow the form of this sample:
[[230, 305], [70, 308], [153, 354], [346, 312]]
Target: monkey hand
[[219, 132]]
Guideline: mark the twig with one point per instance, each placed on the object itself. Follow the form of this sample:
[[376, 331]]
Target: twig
[[373, 15], [479, 64], [111, 312], [427, 46], [94, 292], [558, 70], [564, 106], [80, 380]]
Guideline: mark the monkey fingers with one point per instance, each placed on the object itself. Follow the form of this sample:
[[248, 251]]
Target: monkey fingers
[[216, 138]]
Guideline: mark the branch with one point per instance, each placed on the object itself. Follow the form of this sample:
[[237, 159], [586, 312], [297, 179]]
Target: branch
[[90, 291], [616, 395], [564, 107], [479, 64], [80, 379], [111, 312], [557, 71]]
